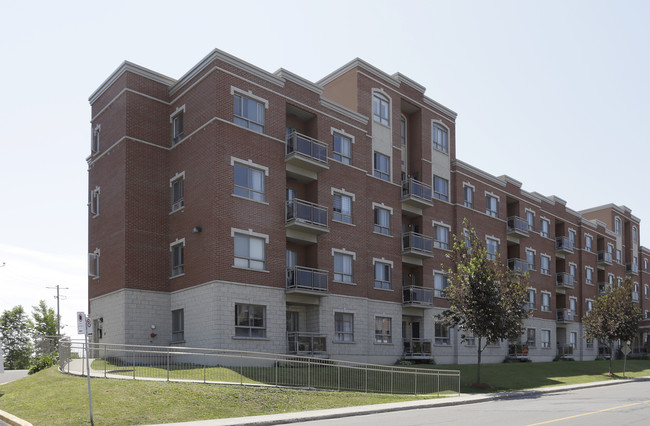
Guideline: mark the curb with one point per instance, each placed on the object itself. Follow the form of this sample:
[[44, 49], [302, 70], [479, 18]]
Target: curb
[[13, 420]]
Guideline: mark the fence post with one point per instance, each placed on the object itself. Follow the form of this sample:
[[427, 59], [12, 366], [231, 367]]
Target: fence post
[[133, 364], [204, 366], [338, 381], [276, 371], [366, 378], [438, 377], [308, 373], [241, 369], [392, 372], [416, 383], [105, 360], [168, 364]]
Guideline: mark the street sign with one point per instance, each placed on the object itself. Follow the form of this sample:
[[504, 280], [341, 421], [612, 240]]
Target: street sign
[[89, 326], [81, 323], [626, 349]]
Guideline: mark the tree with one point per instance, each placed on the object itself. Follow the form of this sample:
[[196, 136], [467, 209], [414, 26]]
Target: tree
[[44, 325], [15, 328], [487, 300], [613, 317]]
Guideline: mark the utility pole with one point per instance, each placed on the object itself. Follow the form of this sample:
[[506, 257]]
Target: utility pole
[[58, 317]]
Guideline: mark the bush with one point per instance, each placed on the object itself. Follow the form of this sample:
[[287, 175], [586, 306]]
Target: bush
[[44, 362]]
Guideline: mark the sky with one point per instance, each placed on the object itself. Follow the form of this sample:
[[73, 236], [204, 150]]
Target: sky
[[551, 93]]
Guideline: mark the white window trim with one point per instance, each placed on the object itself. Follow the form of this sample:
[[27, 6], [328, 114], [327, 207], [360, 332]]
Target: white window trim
[[179, 110], [382, 260], [177, 176], [344, 251], [248, 232], [178, 241], [249, 94], [96, 130], [381, 206], [493, 195], [342, 191], [342, 133], [470, 185], [94, 255], [249, 163], [94, 199]]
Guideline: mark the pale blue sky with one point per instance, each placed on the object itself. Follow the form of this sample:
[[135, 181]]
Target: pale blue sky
[[552, 93]]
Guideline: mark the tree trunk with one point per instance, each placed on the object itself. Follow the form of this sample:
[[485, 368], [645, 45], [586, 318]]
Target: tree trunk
[[611, 357], [478, 367]]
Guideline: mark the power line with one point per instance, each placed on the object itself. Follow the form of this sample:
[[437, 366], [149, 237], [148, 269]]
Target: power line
[[58, 316]]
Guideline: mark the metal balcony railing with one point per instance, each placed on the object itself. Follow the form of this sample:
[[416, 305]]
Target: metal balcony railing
[[604, 288], [565, 315], [412, 188], [417, 243], [563, 244], [306, 212], [300, 277], [632, 268], [305, 146], [518, 266], [605, 257], [305, 343], [415, 295], [564, 280], [417, 348], [517, 225]]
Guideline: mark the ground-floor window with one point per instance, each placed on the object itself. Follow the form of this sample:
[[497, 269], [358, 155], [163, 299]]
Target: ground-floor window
[[383, 330], [546, 338], [250, 320], [344, 327], [442, 334]]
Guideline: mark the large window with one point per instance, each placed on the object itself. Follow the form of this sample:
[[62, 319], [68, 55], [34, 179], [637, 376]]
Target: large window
[[635, 235], [177, 127], [544, 225], [249, 182], [342, 149], [572, 272], [94, 144], [178, 325], [178, 257], [589, 275], [468, 192], [530, 259], [344, 327], [546, 302], [250, 252], [94, 201], [248, 113], [382, 166], [530, 338], [441, 334], [546, 338], [381, 109], [382, 275], [382, 220], [530, 218], [250, 320], [439, 284], [545, 267], [532, 295], [178, 192], [93, 264], [589, 306], [440, 188], [343, 267], [588, 243], [491, 205], [383, 330], [342, 208], [440, 139], [492, 247], [441, 237], [617, 225]]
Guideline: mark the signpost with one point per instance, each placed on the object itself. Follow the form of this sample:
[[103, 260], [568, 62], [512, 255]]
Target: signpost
[[84, 326], [626, 350]]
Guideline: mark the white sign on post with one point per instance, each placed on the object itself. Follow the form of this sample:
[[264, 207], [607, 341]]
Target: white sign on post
[[81, 323], [89, 326]]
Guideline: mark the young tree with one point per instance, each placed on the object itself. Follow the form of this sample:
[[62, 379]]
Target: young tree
[[15, 328], [44, 328], [487, 300], [613, 317]]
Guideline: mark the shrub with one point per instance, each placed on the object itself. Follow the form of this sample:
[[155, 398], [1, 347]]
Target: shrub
[[44, 362]]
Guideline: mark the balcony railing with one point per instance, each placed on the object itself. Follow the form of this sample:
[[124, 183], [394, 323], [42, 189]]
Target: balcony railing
[[518, 266], [564, 280], [518, 226], [417, 244], [306, 212], [604, 288], [415, 197], [304, 343], [605, 257], [632, 268], [565, 315], [310, 279], [517, 350], [565, 350], [415, 295], [563, 244], [417, 348], [304, 146]]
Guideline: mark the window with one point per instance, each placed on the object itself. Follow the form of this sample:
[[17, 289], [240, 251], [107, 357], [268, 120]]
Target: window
[[249, 182], [572, 272], [546, 338], [635, 292], [645, 291], [248, 112], [441, 237], [441, 334], [382, 220], [544, 226], [491, 205], [492, 247], [381, 109], [382, 166], [177, 127], [94, 143], [440, 138], [589, 343], [440, 188], [342, 208], [546, 302], [530, 218], [618, 256], [530, 259], [573, 305], [645, 265], [250, 320], [178, 191], [530, 338], [635, 235], [545, 266], [617, 226], [94, 201], [589, 275], [342, 149], [383, 330], [344, 327], [178, 257], [468, 240], [343, 267], [439, 284], [469, 196], [382, 275], [178, 325], [573, 338], [572, 237], [250, 252], [93, 264], [589, 306], [588, 243], [532, 295]]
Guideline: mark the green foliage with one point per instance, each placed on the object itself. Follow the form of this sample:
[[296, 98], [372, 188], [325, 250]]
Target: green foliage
[[487, 300], [45, 329], [44, 362], [16, 329]]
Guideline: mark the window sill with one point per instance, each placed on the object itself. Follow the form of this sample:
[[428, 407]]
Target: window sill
[[343, 223], [94, 216], [177, 210], [384, 343], [341, 342], [250, 269], [382, 234], [344, 282], [441, 151], [177, 342], [384, 289], [250, 338], [250, 199], [95, 277], [176, 276], [443, 345]]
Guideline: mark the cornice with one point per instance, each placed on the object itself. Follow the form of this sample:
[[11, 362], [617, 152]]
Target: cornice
[[127, 66], [343, 110], [294, 78]]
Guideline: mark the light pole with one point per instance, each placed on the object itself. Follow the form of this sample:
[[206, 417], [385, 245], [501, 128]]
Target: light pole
[[58, 317]]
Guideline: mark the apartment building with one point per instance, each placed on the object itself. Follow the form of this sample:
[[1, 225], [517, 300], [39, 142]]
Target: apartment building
[[237, 208]]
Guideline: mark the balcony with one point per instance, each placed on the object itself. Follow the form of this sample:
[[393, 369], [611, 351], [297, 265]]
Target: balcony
[[415, 197], [517, 226], [304, 343], [632, 269], [604, 258], [419, 297], [563, 280], [564, 315], [565, 351], [563, 245], [305, 157], [416, 247], [417, 348], [604, 288], [305, 280], [305, 221], [518, 266]]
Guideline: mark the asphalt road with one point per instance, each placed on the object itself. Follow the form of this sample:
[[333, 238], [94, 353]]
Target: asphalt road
[[11, 375], [625, 404]]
